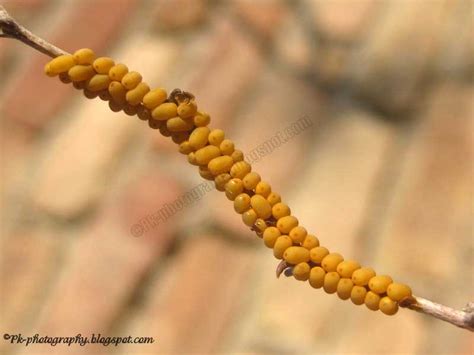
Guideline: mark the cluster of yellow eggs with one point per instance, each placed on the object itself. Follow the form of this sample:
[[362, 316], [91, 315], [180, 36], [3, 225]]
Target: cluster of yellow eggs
[[176, 115]]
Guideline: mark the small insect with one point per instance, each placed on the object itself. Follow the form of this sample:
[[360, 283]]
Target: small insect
[[179, 96]]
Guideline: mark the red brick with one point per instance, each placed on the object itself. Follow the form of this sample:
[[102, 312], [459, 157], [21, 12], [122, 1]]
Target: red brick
[[5, 47], [29, 263], [293, 46], [265, 17], [179, 14], [14, 143], [343, 20], [22, 11], [455, 59], [106, 264], [72, 177], [95, 25], [191, 307], [354, 339], [392, 79], [19, 9]]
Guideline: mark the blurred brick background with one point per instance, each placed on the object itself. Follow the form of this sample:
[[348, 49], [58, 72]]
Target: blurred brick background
[[384, 176]]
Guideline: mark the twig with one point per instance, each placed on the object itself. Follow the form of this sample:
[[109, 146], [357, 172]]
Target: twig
[[463, 319], [12, 29]]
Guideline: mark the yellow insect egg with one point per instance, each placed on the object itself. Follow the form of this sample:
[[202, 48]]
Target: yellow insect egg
[[301, 271], [118, 71], [233, 188], [154, 98], [251, 180], [372, 301], [249, 217], [216, 137], [64, 77], [129, 109], [330, 261], [143, 113], [60, 64], [317, 254], [273, 198], [102, 65], [242, 203], [226, 147], [201, 119], [177, 124], [270, 236], [84, 56], [115, 106], [184, 147], [347, 267], [164, 130], [48, 71], [295, 255], [90, 94], [220, 165], [310, 242], [165, 111], [104, 95], [263, 188], [221, 180], [132, 79], [205, 173], [280, 210], [261, 206], [98, 82], [191, 157], [240, 169], [187, 109], [81, 72], [180, 137], [154, 124], [316, 277], [397, 291], [379, 284], [344, 288], [260, 226], [330, 282], [79, 85], [237, 155], [388, 306], [298, 234], [198, 137], [358, 294], [117, 91], [282, 243], [135, 96], [286, 224], [361, 276], [206, 154]]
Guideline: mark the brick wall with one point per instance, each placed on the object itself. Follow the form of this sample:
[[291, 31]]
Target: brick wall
[[384, 175]]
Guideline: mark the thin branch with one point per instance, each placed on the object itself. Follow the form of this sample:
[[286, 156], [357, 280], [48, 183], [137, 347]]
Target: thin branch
[[12, 29], [461, 318]]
